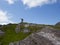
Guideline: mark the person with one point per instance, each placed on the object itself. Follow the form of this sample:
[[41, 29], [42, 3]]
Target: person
[[21, 20]]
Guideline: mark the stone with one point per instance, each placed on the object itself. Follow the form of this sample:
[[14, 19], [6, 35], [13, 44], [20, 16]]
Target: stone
[[17, 29], [11, 43], [47, 36], [25, 30], [50, 34]]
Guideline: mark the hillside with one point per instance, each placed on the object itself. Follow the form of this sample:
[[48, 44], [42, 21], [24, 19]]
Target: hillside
[[47, 36], [57, 23], [10, 34]]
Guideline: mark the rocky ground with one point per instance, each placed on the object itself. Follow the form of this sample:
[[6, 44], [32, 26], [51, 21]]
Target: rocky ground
[[47, 36]]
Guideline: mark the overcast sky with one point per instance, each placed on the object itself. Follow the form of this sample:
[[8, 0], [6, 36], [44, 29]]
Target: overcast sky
[[32, 11]]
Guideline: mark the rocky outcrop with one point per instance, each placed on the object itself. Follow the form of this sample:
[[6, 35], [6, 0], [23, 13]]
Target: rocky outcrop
[[17, 29], [51, 34], [47, 36], [25, 30]]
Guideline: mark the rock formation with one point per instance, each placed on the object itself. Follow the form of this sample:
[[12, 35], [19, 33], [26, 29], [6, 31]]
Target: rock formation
[[47, 36], [17, 29]]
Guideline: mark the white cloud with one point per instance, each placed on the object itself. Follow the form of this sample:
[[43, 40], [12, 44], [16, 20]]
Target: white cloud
[[4, 18], [35, 3], [11, 1]]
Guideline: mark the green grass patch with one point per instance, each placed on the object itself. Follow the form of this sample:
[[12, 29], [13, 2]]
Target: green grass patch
[[11, 35]]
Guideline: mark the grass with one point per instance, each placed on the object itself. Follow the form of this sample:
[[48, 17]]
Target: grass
[[14, 37], [11, 35], [54, 26], [57, 27]]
